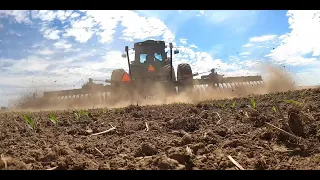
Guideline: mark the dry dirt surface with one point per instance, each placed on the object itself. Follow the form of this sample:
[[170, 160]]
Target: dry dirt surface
[[281, 132]]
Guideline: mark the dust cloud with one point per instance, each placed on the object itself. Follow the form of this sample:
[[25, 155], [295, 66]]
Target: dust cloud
[[275, 80]]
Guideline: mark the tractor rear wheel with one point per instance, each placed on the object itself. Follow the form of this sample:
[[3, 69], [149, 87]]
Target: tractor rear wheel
[[184, 77]]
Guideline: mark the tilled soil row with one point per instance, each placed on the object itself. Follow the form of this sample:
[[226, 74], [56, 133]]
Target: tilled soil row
[[281, 132]]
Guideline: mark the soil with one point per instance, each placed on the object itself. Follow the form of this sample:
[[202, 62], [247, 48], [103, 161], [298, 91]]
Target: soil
[[277, 134]]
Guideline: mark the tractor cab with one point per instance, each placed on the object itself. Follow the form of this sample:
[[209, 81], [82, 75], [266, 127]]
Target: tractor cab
[[150, 61], [150, 51]]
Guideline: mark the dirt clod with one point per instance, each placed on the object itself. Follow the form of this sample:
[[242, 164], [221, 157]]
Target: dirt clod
[[146, 149], [167, 163], [295, 122], [186, 139]]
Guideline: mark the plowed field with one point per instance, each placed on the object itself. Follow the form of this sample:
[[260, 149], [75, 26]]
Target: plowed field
[[281, 132]]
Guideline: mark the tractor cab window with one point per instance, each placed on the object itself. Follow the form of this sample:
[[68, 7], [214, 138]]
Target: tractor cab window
[[143, 58], [150, 57], [158, 56]]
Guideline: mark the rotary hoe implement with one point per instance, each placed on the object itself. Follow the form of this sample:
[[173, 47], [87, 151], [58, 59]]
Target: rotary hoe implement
[[150, 75]]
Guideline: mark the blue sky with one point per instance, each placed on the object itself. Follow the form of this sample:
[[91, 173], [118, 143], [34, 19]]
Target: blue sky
[[62, 49]]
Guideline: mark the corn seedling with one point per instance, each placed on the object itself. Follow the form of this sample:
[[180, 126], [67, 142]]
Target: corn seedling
[[302, 95], [292, 102], [253, 104], [81, 113], [233, 104], [30, 122], [53, 119], [222, 105], [274, 109]]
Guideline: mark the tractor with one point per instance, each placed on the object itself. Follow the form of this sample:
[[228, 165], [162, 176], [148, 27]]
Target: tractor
[[151, 75]]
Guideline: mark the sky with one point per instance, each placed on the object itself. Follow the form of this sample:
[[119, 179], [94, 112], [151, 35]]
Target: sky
[[51, 50]]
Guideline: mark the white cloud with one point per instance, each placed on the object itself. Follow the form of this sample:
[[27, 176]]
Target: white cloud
[[244, 53], [307, 75], [203, 62], [303, 40], [85, 27], [233, 20], [51, 34], [221, 16], [73, 67], [62, 44], [29, 64], [110, 62], [13, 33], [234, 58], [137, 27], [81, 35], [19, 16], [64, 15], [47, 17], [45, 51], [183, 41], [248, 45], [81, 29], [262, 38], [193, 46], [44, 15], [74, 15], [100, 23], [104, 23], [250, 63]]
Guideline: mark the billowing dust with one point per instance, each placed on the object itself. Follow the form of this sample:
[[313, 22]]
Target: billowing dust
[[276, 80]]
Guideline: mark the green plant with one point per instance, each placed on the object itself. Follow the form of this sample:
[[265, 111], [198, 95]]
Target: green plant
[[30, 122], [292, 102], [274, 109], [221, 105], [233, 104], [81, 113], [303, 93], [84, 113], [253, 104], [53, 119]]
